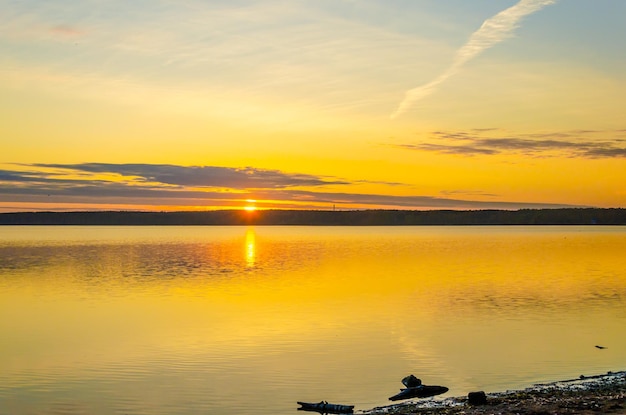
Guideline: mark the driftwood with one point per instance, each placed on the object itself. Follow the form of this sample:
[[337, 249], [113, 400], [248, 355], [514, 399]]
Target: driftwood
[[422, 391], [324, 407], [415, 389]]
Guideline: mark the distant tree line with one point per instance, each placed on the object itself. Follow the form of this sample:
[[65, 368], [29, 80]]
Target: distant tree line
[[586, 216]]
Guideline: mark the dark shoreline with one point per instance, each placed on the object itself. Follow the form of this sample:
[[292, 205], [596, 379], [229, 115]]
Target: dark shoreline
[[567, 216], [600, 394]]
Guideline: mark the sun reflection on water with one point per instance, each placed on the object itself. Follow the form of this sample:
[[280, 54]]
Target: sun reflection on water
[[250, 247]]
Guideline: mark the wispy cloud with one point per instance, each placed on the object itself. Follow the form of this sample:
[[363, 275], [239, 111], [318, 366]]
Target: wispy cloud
[[493, 31], [409, 202], [265, 60], [590, 144]]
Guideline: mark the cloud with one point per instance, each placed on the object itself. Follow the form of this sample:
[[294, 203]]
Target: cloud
[[590, 144], [199, 176], [265, 62], [448, 149], [607, 152], [409, 202], [458, 192], [493, 31], [156, 185]]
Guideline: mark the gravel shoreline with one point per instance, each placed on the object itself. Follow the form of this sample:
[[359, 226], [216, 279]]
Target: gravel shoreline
[[601, 394]]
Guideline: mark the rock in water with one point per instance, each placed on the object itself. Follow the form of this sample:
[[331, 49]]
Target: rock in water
[[411, 381], [477, 398]]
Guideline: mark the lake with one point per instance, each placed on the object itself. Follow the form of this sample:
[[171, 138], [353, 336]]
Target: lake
[[249, 320]]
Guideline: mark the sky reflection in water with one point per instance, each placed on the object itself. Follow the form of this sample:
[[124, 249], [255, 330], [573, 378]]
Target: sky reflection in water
[[248, 320]]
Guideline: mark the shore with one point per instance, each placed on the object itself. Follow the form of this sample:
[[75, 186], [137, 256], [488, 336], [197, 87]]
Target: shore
[[601, 394]]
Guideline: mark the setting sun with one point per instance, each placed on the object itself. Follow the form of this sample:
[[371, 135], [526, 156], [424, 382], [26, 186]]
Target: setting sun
[[250, 207]]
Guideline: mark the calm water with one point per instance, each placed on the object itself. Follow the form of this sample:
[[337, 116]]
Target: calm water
[[235, 320]]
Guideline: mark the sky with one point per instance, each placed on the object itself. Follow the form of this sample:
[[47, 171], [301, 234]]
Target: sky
[[326, 104]]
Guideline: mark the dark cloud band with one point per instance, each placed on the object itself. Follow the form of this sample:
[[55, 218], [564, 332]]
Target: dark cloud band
[[158, 184]]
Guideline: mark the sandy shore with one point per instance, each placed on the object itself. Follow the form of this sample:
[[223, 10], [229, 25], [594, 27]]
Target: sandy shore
[[601, 394]]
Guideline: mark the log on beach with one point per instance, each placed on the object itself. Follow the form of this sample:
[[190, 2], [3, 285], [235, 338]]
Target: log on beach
[[421, 391], [324, 407]]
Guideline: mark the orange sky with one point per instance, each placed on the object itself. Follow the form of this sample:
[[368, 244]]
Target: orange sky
[[402, 105]]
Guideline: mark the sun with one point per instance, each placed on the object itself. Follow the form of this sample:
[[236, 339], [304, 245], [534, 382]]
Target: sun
[[250, 207]]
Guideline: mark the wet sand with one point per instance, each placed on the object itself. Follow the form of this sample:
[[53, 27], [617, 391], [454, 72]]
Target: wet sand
[[601, 394]]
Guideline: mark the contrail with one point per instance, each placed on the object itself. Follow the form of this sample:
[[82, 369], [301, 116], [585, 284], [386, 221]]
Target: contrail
[[493, 30]]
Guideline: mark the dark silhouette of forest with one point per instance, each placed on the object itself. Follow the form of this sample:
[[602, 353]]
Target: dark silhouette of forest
[[574, 216]]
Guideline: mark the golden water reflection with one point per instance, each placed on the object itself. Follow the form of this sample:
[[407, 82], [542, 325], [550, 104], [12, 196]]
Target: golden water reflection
[[250, 247], [488, 308]]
